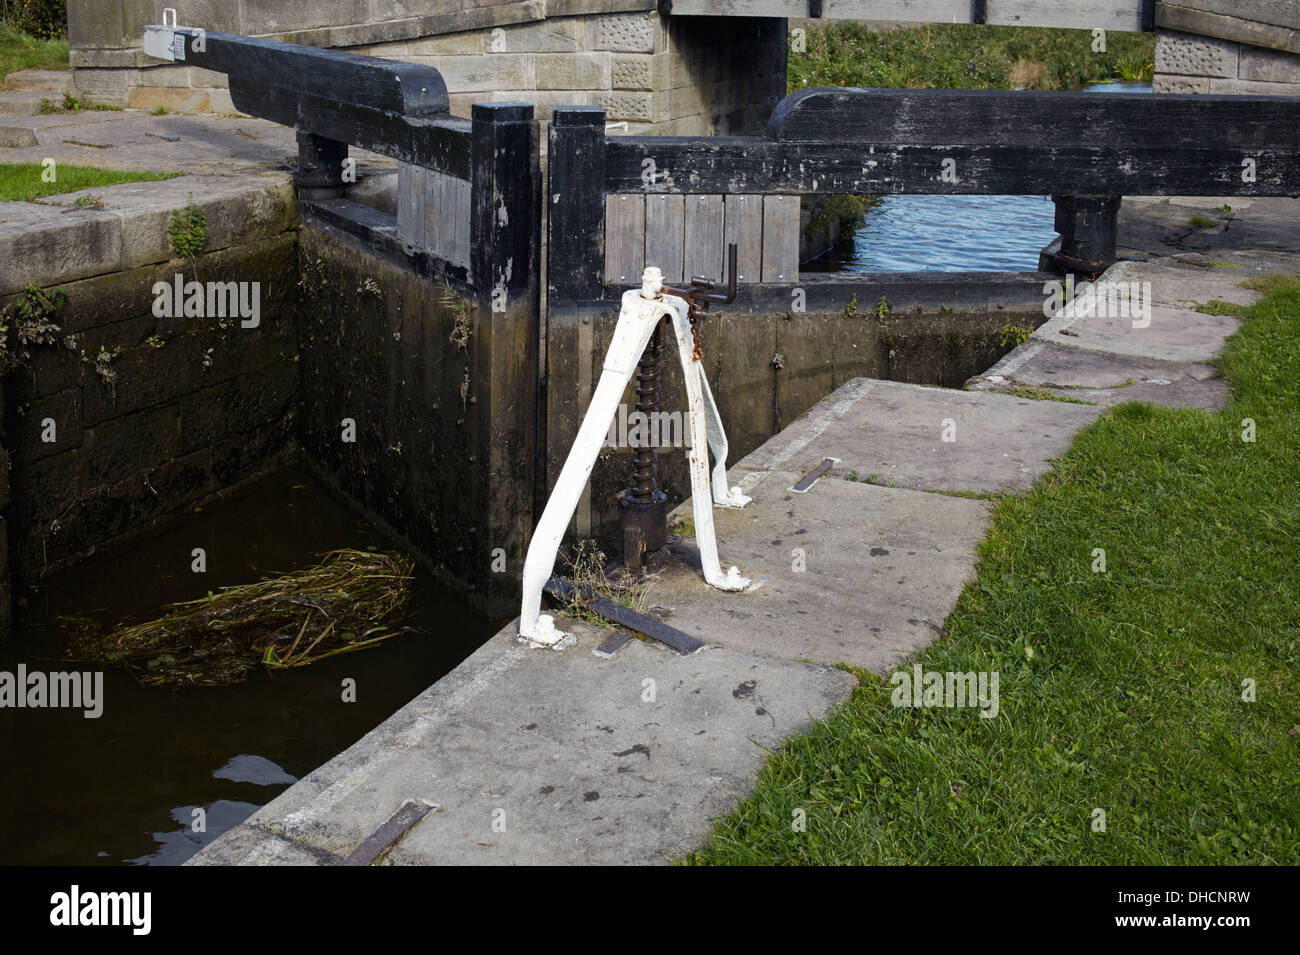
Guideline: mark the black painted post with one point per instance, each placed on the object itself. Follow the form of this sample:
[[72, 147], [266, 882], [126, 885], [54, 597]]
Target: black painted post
[[320, 167], [1088, 226], [501, 401], [503, 184], [576, 209]]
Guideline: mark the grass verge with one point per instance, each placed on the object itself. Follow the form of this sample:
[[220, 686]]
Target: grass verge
[[1120, 691], [963, 56], [22, 181], [20, 51]]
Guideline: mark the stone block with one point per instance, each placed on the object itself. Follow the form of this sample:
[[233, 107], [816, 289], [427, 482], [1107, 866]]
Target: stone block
[[282, 17], [464, 74], [47, 250], [171, 77], [625, 33], [99, 58], [177, 100], [1171, 16], [1268, 66], [90, 25], [1180, 84], [118, 449], [61, 412], [1188, 55], [1248, 88], [466, 44], [16, 137], [546, 36], [626, 106], [544, 103], [102, 87], [208, 79], [632, 71], [573, 71], [222, 104]]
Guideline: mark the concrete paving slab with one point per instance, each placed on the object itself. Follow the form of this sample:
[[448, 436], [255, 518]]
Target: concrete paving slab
[[1104, 378], [849, 572], [1243, 264], [58, 81], [551, 757], [16, 137], [896, 432], [1172, 334], [25, 103], [1184, 286], [252, 845], [1163, 226]]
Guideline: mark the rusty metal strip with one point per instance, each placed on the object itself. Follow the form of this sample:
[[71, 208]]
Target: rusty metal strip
[[565, 590], [615, 642], [387, 835], [813, 476]]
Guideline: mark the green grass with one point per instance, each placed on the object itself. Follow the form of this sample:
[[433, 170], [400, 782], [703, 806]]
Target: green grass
[[958, 56], [1119, 691], [1217, 307], [1034, 393], [22, 181], [19, 51]]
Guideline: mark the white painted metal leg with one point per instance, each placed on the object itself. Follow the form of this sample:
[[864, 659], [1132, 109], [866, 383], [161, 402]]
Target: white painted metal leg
[[723, 496], [636, 323], [640, 313], [701, 490]]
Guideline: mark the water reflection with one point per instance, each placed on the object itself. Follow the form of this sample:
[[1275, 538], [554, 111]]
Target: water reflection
[[123, 788], [952, 233]]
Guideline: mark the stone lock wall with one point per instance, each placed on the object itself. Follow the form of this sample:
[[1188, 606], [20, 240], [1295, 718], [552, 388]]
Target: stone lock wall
[[1250, 47], [125, 418], [669, 76]]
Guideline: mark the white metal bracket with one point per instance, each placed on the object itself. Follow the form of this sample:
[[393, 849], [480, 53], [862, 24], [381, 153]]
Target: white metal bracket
[[641, 312], [165, 42]]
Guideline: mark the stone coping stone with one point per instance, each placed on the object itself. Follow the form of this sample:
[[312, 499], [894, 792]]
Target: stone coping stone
[[845, 573], [1103, 378], [896, 430], [45, 244], [570, 755], [1173, 334]]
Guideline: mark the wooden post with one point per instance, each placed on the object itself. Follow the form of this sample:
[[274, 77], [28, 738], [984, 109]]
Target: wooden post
[[576, 208], [1088, 226], [503, 199], [320, 167], [501, 394]]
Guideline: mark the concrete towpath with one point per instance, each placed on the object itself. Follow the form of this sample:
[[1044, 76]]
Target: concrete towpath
[[537, 756], [236, 168]]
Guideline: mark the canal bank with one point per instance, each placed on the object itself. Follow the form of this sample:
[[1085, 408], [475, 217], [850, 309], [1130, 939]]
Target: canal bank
[[564, 757]]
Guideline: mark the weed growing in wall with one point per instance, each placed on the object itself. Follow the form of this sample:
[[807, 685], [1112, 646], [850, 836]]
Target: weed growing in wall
[[188, 230], [30, 318]]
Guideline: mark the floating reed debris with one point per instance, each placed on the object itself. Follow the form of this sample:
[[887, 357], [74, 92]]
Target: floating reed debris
[[344, 603]]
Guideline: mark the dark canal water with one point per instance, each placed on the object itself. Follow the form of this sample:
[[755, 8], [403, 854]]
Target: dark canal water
[[121, 789], [952, 233]]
